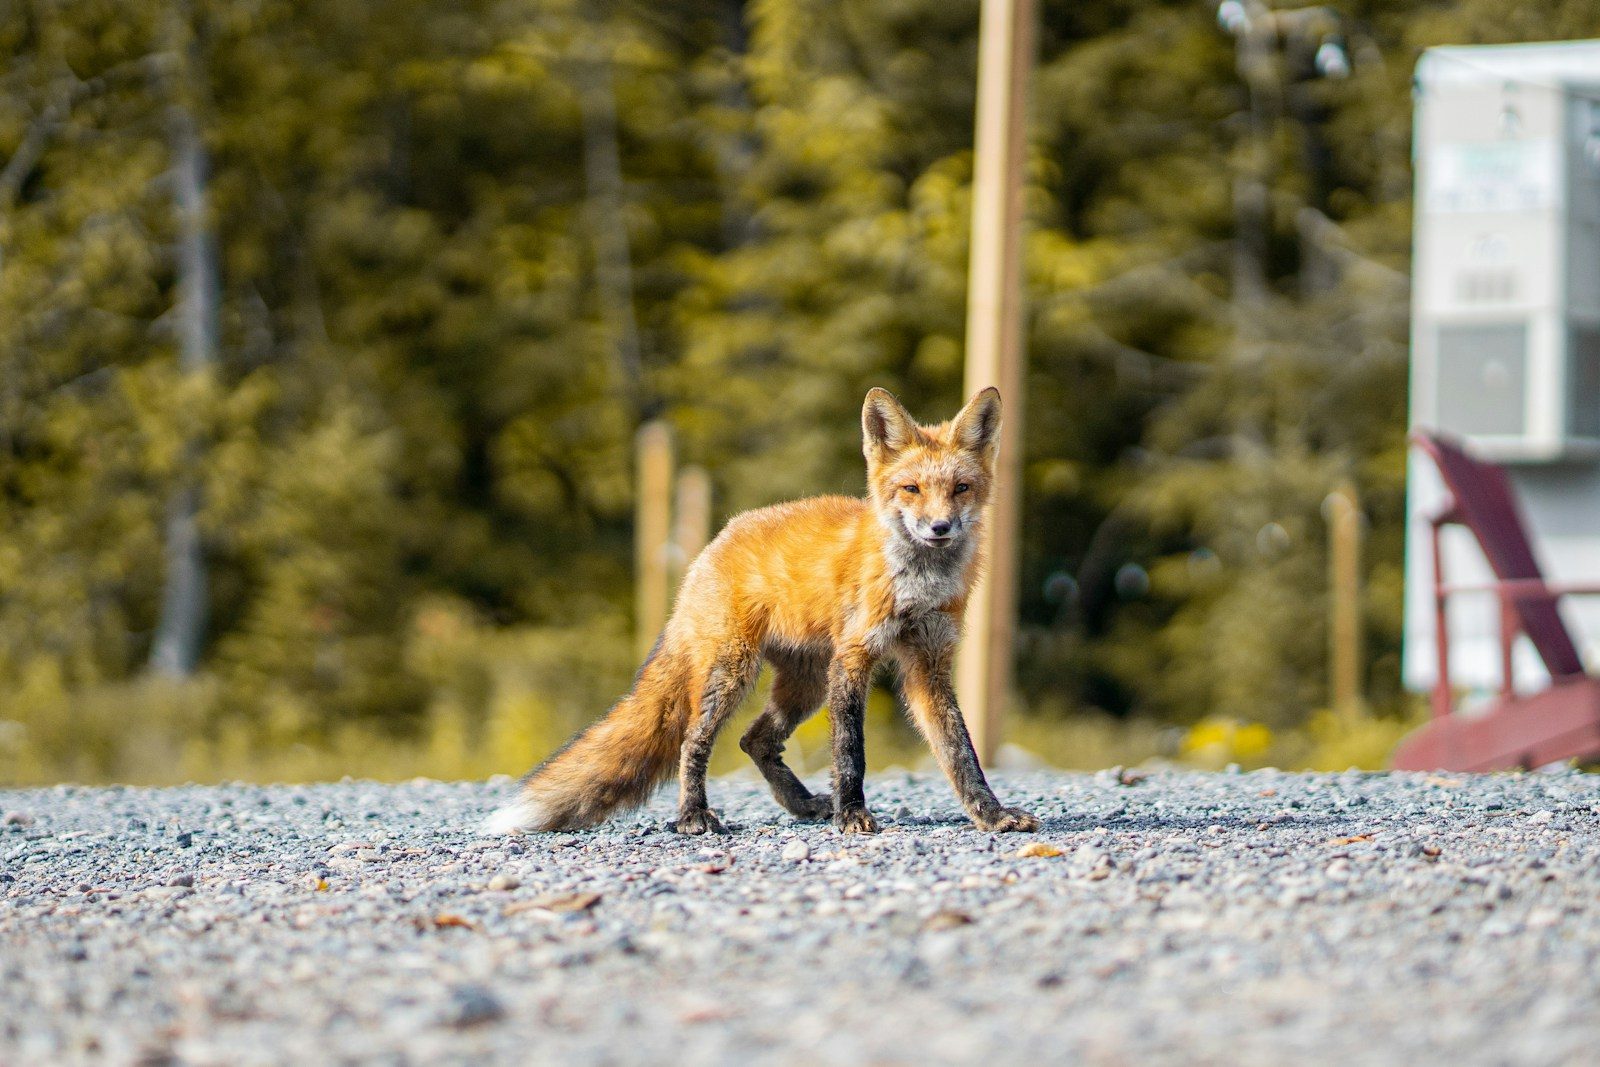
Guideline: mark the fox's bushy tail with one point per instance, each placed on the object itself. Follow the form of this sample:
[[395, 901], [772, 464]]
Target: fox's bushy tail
[[616, 763]]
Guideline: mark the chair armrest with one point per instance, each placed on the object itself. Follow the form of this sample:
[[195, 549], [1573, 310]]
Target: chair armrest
[[1521, 588]]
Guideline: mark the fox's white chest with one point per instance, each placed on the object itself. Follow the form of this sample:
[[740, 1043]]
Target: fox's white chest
[[924, 581], [920, 591]]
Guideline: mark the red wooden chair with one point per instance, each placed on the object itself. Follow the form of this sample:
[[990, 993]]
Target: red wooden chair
[[1519, 730]]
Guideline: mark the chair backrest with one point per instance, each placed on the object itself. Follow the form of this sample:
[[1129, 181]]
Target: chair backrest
[[1486, 505]]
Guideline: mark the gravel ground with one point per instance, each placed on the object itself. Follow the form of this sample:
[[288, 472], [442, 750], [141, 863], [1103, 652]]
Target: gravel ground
[[1243, 918]]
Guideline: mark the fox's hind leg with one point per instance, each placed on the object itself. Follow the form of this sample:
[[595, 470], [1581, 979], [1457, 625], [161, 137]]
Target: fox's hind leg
[[800, 680], [727, 683]]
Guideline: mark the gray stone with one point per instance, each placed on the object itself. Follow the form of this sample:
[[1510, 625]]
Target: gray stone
[[473, 1005]]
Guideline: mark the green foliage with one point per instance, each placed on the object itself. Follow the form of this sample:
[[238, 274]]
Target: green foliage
[[414, 452]]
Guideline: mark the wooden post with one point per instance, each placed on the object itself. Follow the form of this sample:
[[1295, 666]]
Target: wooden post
[[1442, 697], [652, 518], [1343, 515], [692, 526], [1509, 627], [994, 351]]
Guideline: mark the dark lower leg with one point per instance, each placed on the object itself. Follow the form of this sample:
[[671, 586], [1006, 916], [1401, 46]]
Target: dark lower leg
[[724, 689], [694, 812], [932, 700], [947, 735], [763, 742], [847, 705], [798, 686]]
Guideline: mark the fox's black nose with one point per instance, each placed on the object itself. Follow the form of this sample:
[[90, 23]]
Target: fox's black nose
[[940, 528]]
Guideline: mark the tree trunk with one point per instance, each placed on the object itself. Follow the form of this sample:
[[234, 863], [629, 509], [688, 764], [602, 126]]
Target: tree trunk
[[736, 153], [181, 629], [613, 261]]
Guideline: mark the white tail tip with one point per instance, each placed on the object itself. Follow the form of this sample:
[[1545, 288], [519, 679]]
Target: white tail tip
[[511, 819]]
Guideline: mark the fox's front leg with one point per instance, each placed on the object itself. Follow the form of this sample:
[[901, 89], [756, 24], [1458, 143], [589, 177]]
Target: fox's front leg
[[847, 708], [932, 699]]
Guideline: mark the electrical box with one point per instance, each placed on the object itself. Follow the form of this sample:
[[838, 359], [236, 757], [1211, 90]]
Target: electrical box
[[1506, 286]]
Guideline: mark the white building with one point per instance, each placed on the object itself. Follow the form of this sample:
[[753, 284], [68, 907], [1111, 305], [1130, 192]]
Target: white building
[[1505, 342]]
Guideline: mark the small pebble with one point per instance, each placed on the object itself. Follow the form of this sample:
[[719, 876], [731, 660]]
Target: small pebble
[[473, 1005], [1088, 857]]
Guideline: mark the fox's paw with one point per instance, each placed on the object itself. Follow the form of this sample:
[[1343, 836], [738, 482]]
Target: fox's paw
[[855, 821], [817, 809], [703, 821], [1006, 820]]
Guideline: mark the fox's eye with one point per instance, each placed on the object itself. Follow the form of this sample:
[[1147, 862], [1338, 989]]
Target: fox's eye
[[913, 490], [962, 487]]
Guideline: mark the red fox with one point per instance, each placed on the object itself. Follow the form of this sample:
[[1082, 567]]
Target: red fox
[[823, 589]]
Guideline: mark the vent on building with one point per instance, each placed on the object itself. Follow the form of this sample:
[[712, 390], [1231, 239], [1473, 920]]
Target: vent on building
[[1583, 385], [1483, 379], [1485, 286]]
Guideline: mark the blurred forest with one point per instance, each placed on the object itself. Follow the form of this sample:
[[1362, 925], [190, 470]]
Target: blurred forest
[[325, 328]]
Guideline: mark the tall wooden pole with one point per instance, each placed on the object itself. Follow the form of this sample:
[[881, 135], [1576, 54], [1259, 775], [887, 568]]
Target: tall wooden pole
[[994, 350], [691, 527], [1343, 515], [651, 530]]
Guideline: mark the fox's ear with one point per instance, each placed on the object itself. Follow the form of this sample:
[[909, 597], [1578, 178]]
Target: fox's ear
[[977, 427], [886, 426]]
